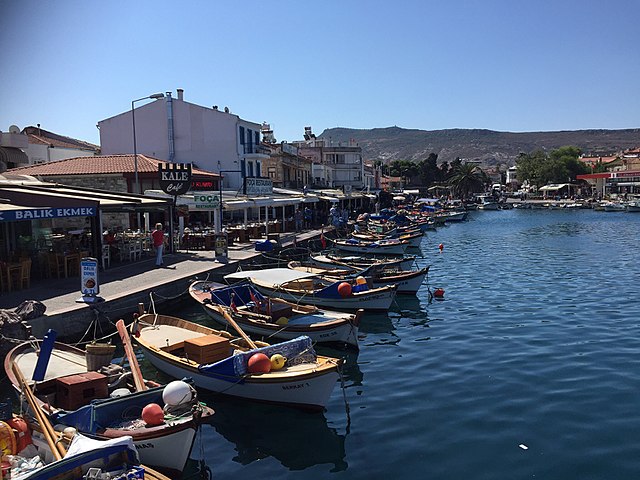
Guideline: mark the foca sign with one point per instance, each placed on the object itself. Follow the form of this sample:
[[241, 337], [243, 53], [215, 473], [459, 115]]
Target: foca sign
[[175, 178]]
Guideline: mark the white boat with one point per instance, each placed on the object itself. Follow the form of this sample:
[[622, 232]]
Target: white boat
[[614, 206], [275, 318], [413, 237], [633, 206], [360, 261], [219, 362], [382, 247], [408, 282], [68, 380], [313, 289]]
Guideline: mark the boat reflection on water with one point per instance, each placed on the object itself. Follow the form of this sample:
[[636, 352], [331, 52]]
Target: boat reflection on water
[[297, 439]]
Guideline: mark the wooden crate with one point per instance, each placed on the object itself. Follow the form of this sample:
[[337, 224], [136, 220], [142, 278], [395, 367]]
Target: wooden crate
[[207, 349], [74, 391]]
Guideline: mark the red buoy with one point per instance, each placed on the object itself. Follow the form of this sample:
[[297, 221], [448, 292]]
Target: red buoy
[[153, 415], [259, 363], [344, 289], [23, 436], [438, 293], [441, 247]]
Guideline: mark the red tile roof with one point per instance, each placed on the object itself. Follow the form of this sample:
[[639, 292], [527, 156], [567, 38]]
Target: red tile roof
[[101, 164], [40, 136]]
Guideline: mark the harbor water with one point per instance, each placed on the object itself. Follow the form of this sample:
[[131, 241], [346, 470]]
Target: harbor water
[[527, 369]]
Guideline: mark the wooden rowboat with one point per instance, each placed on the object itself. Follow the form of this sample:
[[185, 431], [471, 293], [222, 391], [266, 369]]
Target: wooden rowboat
[[275, 317], [301, 287], [72, 395], [218, 361]]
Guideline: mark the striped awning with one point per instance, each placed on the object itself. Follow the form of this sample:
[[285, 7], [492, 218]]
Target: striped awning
[[11, 156]]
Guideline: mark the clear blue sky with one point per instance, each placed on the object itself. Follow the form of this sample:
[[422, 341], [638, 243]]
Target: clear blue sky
[[508, 65]]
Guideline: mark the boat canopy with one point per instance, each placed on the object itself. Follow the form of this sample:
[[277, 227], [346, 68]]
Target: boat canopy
[[273, 276]]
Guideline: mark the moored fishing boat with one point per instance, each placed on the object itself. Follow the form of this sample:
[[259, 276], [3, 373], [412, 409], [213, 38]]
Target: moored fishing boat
[[313, 289], [383, 247], [72, 395], [407, 282], [111, 459], [330, 259], [414, 237], [274, 317], [219, 362]]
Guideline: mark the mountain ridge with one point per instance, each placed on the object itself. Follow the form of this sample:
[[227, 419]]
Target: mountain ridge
[[489, 147]]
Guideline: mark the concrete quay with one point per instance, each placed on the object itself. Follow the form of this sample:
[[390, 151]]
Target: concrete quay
[[126, 285]]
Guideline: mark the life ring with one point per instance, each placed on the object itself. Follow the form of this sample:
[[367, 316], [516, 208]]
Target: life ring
[[8, 444]]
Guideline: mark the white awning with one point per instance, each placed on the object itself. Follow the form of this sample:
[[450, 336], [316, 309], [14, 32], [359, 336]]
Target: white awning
[[554, 187], [272, 276]]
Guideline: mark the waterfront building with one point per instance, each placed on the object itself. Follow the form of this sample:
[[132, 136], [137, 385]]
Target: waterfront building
[[177, 131], [334, 164]]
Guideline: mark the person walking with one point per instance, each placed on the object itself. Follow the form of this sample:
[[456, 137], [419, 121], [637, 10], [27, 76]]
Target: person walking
[[157, 236]]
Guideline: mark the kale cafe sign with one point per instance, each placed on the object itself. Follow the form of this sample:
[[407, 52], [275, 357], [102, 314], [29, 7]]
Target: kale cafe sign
[[175, 178]]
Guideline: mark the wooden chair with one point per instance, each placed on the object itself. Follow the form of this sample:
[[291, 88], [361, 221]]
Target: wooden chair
[[21, 278], [56, 265]]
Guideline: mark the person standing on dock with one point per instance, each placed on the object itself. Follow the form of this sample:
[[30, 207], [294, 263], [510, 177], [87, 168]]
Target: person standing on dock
[[157, 236]]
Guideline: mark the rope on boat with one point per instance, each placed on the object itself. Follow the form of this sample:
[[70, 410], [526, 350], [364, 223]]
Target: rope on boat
[[347, 408]]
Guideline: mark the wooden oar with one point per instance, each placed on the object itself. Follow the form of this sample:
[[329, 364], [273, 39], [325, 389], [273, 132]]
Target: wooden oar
[[57, 449], [233, 323], [131, 356]]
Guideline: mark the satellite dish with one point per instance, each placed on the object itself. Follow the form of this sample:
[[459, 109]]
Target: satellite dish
[[14, 129]]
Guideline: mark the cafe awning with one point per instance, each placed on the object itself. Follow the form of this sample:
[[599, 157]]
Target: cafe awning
[[554, 187]]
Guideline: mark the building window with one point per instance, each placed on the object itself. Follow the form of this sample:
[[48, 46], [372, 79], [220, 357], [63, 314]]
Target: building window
[[241, 135], [258, 168], [250, 169]]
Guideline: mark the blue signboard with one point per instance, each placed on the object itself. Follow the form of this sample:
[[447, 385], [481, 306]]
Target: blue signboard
[[44, 213]]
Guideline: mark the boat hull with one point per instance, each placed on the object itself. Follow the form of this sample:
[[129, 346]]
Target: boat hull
[[309, 392], [368, 300]]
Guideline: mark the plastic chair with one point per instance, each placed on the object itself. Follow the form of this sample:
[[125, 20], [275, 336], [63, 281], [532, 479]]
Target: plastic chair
[[106, 256]]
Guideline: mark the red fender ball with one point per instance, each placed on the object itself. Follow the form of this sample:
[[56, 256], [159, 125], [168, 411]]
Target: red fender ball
[[153, 415], [259, 363], [344, 289], [438, 293]]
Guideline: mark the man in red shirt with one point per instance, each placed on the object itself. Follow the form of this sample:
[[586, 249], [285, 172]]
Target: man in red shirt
[[157, 236]]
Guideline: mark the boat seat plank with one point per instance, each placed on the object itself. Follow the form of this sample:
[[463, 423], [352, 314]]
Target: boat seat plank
[[164, 335]]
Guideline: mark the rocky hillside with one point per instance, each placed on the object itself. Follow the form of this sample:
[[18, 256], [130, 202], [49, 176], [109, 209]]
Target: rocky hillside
[[488, 146]]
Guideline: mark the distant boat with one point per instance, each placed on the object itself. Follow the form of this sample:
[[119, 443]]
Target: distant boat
[[633, 206], [275, 317], [219, 362], [614, 207]]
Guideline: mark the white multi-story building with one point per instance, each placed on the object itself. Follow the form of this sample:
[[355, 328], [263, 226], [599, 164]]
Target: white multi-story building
[[335, 164], [176, 131]]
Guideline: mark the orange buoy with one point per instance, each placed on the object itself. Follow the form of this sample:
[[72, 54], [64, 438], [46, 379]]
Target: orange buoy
[[259, 363], [153, 415], [344, 289], [21, 430]]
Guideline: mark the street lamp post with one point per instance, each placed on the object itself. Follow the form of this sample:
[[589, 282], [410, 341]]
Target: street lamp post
[[135, 146]]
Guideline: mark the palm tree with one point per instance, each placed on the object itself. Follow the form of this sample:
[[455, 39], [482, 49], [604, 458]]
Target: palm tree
[[466, 178]]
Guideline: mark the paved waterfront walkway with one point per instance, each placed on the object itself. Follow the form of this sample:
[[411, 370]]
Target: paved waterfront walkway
[[124, 285]]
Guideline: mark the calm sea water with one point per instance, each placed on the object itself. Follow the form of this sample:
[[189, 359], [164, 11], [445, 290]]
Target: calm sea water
[[527, 369]]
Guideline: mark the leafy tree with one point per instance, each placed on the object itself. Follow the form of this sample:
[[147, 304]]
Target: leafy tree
[[558, 166]]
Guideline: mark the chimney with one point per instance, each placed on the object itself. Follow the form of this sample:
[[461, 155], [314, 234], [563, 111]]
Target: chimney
[[180, 94]]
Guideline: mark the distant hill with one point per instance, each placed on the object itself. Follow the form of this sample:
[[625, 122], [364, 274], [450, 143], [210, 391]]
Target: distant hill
[[487, 146]]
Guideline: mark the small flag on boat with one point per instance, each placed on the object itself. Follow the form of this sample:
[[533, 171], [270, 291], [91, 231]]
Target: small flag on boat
[[233, 303]]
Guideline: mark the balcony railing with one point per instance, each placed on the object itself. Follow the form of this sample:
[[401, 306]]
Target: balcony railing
[[252, 148]]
